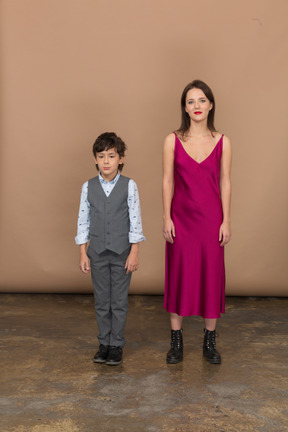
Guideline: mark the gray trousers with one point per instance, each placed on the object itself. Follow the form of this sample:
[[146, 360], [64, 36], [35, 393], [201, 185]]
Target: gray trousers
[[111, 286]]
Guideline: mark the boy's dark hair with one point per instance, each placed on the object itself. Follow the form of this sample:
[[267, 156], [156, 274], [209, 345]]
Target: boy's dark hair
[[107, 141]]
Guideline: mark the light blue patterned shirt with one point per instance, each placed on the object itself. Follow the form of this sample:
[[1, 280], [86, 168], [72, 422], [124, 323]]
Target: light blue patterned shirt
[[133, 201]]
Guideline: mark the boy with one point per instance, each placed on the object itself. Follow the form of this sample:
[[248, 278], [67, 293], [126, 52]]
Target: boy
[[110, 217]]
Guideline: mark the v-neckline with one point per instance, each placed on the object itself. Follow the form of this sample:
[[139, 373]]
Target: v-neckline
[[108, 182], [210, 154]]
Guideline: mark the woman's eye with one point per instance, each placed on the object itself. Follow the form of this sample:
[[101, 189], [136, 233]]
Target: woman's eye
[[203, 100]]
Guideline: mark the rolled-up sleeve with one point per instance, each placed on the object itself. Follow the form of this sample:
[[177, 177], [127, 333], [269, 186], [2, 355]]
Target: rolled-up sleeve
[[136, 231], [83, 224]]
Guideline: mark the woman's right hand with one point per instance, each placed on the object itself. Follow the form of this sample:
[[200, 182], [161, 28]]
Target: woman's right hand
[[169, 230]]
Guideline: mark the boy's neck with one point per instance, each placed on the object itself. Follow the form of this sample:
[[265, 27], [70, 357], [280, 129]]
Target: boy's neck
[[108, 178]]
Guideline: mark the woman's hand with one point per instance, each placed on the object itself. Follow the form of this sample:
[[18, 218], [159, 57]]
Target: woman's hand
[[169, 230], [224, 233]]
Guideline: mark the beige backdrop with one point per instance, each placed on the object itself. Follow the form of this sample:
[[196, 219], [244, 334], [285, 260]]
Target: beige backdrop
[[72, 69]]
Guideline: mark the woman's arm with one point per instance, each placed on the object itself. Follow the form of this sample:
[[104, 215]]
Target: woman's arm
[[168, 186], [225, 191]]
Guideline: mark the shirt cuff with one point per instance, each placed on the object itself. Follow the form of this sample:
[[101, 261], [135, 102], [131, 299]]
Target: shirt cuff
[[81, 239], [136, 238]]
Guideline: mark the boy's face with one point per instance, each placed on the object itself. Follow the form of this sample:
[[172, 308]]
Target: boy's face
[[108, 161]]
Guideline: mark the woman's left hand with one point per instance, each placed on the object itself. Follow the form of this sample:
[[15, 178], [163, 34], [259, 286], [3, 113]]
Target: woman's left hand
[[224, 233]]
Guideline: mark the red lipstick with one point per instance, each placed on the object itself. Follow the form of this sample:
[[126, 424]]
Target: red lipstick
[[198, 112]]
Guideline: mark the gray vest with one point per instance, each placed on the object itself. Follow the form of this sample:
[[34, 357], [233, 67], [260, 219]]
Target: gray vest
[[109, 216]]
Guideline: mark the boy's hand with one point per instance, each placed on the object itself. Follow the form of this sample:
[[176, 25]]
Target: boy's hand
[[132, 262], [84, 263]]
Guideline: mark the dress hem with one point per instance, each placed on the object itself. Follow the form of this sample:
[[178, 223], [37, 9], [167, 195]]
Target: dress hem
[[193, 314]]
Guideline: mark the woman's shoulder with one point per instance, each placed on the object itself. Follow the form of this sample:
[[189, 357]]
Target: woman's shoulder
[[226, 141], [218, 136], [169, 141], [226, 145], [170, 137]]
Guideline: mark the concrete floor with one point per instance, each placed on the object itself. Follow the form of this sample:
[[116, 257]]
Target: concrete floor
[[49, 382]]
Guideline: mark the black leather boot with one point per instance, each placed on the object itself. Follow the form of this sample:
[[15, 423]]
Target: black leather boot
[[209, 347], [175, 354]]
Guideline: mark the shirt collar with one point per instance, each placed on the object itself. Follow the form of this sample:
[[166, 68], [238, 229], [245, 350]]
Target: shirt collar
[[112, 182]]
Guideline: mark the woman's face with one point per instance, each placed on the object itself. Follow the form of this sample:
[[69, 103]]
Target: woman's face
[[197, 105]]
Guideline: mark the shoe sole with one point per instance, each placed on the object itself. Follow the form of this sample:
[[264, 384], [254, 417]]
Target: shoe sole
[[113, 363], [99, 361]]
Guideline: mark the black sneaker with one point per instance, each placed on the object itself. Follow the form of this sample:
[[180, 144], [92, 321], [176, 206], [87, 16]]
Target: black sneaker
[[115, 356], [102, 354]]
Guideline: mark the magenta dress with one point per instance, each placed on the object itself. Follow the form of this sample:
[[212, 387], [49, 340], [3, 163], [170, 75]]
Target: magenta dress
[[195, 272]]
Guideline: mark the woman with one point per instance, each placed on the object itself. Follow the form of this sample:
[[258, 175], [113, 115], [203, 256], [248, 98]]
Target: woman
[[196, 219]]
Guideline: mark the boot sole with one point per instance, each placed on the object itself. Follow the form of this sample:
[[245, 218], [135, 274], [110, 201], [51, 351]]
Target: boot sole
[[173, 361], [212, 361]]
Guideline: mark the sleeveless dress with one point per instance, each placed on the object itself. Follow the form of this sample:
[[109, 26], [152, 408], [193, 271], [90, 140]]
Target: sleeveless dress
[[195, 272]]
